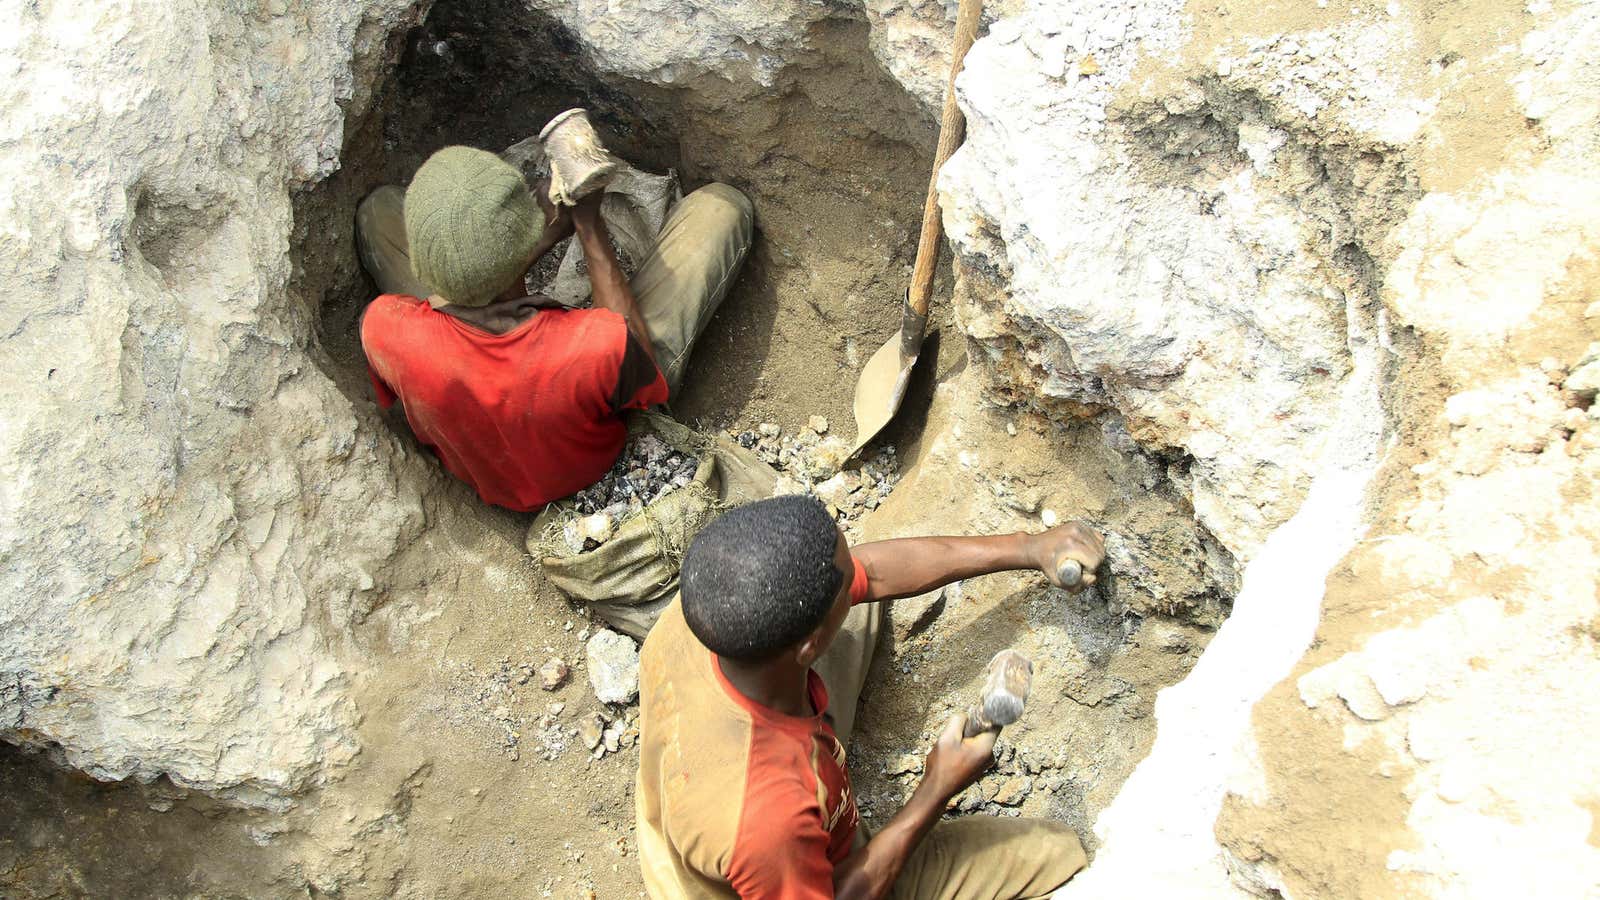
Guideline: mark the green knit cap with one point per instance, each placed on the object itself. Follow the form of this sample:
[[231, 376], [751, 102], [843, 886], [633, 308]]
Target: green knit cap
[[471, 224]]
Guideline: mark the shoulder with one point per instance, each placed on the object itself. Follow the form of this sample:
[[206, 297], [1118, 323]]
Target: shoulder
[[387, 309], [587, 346], [396, 303], [670, 645], [600, 329]]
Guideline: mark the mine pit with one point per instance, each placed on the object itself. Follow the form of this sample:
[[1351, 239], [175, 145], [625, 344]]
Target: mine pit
[[835, 158], [1296, 303]]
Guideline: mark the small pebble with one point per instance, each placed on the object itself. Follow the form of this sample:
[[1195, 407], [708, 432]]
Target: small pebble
[[1013, 790], [591, 730], [553, 674], [904, 764]]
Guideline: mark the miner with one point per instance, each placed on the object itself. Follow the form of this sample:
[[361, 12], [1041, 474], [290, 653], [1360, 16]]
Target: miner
[[518, 396], [748, 686]]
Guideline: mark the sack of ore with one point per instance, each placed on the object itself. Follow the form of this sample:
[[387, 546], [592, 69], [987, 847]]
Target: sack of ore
[[616, 545], [647, 470]]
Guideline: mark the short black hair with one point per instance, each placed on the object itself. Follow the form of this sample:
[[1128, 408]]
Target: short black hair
[[761, 577]]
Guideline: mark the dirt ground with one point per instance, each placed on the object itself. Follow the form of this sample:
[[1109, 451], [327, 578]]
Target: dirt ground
[[470, 783]]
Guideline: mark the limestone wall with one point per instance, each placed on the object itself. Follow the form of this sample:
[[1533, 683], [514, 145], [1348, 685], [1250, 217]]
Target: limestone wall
[[1342, 261], [187, 527]]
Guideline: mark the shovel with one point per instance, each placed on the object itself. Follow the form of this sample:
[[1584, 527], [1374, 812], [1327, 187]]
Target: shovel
[[884, 379]]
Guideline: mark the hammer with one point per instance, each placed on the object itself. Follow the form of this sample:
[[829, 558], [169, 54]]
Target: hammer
[[1005, 690], [1070, 573]]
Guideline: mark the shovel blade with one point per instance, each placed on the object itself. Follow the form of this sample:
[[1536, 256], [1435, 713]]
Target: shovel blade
[[881, 389]]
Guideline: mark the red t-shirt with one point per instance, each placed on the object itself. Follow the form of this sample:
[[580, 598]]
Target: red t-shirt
[[525, 417]]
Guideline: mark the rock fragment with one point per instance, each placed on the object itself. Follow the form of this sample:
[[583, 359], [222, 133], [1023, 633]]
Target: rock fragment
[[591, 730], [810, 463], [1013, 790], [904, 764], [1585, 377], [911, 616], [828, 457], [553, 674], [836, 491], [972, 798], [597, 528], [613, 661], [612, 737]]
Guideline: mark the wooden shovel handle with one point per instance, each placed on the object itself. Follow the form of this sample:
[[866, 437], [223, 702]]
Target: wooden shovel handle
[[952, 128]]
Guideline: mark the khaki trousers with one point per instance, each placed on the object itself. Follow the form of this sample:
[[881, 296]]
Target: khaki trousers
[[990, 858], [679, 286], [975, 858]]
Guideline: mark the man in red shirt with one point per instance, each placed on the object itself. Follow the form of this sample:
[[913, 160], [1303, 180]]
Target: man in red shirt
[[521, 397], [748, 686]]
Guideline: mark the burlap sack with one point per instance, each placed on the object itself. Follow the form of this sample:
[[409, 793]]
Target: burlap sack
[[633, 575]]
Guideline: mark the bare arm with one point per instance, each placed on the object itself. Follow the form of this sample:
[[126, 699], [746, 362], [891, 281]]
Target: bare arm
[[610, 285], [870, 873], [554, 233], [557, 221], [906, 567]]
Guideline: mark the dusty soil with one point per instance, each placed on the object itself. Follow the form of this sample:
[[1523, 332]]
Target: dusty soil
[[453, 794], [1098, 663]]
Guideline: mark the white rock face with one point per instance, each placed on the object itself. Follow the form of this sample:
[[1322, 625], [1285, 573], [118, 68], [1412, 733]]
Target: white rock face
[[186, 518], [911, 38], [1172, 256], [1233, 250], [671, 41], [1482, 689], [1158, 834]]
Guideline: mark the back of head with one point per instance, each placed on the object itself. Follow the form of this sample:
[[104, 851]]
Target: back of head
[[761, 577], [471, 223]]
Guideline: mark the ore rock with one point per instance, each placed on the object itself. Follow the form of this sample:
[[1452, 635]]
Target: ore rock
[[553, 674], [613, 661]]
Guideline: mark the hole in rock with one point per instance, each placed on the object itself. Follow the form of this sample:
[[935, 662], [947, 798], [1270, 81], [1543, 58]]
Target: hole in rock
[[835, 156]]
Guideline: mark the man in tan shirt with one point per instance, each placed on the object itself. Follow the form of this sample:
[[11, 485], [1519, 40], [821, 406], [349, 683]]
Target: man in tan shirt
[[748, 686]]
